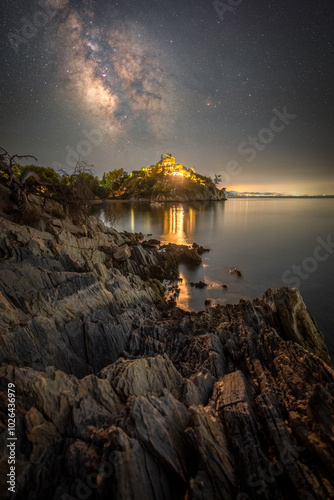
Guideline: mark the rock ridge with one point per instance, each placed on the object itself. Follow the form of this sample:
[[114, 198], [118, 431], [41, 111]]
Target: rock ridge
[[120, 395]]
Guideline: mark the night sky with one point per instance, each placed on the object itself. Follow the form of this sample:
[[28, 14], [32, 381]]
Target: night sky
[[242, 89]]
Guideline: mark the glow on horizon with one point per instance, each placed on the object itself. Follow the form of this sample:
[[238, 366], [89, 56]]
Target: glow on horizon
[[283, 189]]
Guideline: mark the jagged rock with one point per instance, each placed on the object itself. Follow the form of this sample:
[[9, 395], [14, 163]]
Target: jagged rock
[[144, 376], [61, 305], [288, 313], [122, 253], [133, 237], [56, 223], [119, 396], [183, 254], [215, 477]]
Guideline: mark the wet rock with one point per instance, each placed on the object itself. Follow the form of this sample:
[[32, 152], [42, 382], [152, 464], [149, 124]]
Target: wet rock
[[152, 243], [200, 249], [235, 271], [182, 254], [119, 396], [200, 284]]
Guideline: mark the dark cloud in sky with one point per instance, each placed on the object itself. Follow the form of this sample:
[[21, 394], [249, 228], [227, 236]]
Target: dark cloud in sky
[[137, 79]]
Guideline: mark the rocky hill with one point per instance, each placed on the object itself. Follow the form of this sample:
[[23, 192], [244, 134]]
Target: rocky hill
[[200, 193], [121, 395], [166, 181]]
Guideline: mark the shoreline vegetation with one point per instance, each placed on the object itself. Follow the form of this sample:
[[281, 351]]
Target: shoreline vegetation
[[164, 181], [232, 402]]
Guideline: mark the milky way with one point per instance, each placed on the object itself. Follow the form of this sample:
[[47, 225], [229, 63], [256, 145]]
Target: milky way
[[115, 74], [160, 76]]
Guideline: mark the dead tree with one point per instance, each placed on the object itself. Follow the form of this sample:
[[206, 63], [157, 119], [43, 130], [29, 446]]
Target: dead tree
[[16, 185], [74, 195]]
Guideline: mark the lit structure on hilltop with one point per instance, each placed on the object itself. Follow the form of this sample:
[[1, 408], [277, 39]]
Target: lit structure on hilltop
[[168, 166], [167, 160]]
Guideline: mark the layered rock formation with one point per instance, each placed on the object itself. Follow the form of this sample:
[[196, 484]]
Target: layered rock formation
[[121, 396]]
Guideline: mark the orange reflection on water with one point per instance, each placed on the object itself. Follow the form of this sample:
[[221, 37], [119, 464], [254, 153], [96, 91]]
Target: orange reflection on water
[[183, 300], [174, 225]]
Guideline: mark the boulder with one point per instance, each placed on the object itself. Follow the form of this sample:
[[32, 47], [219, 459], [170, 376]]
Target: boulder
[[122, 253]]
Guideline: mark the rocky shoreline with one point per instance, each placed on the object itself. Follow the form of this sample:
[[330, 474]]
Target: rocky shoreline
[[218, 195], [122, 395]]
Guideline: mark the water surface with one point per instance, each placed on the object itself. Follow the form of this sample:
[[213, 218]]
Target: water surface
[[264, 238]]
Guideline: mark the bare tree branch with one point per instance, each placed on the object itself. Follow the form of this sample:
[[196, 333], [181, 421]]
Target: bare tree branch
[[74, 195], [13, 162]]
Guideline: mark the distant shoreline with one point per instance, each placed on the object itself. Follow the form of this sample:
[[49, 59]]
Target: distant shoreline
[[101, 202], [280, 197]]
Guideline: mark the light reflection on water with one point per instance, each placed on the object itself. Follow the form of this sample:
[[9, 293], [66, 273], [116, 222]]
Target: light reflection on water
[[172, 223], [174, 229], [262, 237]]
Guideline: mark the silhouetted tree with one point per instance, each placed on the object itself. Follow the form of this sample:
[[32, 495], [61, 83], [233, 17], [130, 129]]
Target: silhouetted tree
[[217, 179], [72, 191], [17, 185]]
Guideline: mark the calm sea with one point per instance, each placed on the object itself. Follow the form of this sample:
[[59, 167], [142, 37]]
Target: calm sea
[[272, 242]]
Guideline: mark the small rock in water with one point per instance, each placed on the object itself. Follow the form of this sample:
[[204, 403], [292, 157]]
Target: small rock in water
[[200, 249], [235, 271], [200, 284]]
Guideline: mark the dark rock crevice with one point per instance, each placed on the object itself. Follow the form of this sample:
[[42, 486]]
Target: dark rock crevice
[[119, 395]]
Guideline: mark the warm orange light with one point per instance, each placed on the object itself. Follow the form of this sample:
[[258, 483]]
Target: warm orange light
[[178, 173], [176, 225]]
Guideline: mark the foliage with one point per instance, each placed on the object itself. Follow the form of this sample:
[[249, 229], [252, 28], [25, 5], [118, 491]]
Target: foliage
[[150, 182], [113, 180], [75, 191], [46, 173]]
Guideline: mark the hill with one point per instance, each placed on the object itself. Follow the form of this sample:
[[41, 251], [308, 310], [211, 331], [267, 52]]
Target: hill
[[164, 181]]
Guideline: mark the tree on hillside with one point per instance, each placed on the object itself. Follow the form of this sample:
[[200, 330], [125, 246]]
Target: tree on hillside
[[217, 179], [9, 169], [114, 179]]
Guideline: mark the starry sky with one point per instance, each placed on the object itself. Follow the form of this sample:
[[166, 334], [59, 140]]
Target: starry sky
[[236, 88]]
